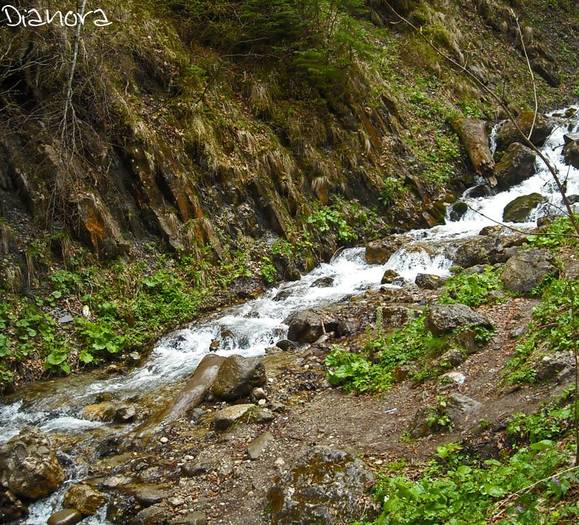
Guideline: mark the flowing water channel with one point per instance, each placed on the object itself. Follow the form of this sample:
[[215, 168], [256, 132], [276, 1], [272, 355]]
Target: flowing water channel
[[249, 329]]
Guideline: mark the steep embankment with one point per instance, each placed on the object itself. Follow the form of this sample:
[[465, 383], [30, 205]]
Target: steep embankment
[[208, 130]]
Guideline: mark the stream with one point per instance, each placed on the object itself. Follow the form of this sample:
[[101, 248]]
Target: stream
[[251, 328]]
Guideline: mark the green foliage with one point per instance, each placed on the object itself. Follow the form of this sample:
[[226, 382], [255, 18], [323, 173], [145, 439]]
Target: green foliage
[[551, 422], [558, 233], [554, 328], [268, 270], [357, 372], [472, 289], [437, 417], [456, 493], [392, 191], [330, 220]]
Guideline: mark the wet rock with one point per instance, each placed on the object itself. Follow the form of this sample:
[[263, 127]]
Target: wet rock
[[282, 295], [445, 318], [429, 282], [480, 190], [29, 467], [507, 134], [516, 165], [323, 282], [65, 517], [457, 211], [230, 415], [84, 499], [192, 394], [378, 252], [259, 445], [571, 150], [108, 411], [390, 276], [286, 344], [308, 326], [237, 377], [527, 269], [519, 209], [11, 508], [473, 134], [325, 487], [559, 365]]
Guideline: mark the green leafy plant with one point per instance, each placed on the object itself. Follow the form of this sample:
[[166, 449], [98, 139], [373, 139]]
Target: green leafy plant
[[331, 220], [472, 289], [268, 270]]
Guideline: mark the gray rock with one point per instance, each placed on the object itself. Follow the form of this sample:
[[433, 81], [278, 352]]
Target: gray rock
[[516, 165], [29, 467], [259, 445], [445, 318], [237, 377], [65, 517], [263, 415], [519, 209], [481, 190], [462, 410], [325, 487], [230, 415], [192, 518], [155, 515], [323, 282], [559, 365], [308, 326], [527, 269], [428, 281]]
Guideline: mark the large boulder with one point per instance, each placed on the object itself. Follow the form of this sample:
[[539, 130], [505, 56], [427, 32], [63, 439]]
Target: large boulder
[[84, 499], [229, 415], [308, 326], [492, 248], [527, 269], [378, 252], [237, 377], [445, 318], [516, 165], [457, 211], [325, 487], [507, 134], [428, 281], [29, 467], [571, 150], [519, 209]]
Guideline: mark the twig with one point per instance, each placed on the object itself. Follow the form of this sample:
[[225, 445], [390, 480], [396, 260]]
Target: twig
[[535, 113]]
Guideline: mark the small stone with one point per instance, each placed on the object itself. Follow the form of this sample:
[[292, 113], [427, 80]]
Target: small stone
[[258, 393], [192, 518], [454, 377], [230, 415], [279, 463], [176, 502], [259, 445], [65, 319], [263, 415], [262, 402], [164, 440]]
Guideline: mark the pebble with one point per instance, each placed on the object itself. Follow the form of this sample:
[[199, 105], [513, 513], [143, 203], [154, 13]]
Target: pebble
[[164, 440]]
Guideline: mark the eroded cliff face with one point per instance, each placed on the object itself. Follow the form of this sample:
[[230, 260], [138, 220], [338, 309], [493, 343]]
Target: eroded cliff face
[[169, 138]]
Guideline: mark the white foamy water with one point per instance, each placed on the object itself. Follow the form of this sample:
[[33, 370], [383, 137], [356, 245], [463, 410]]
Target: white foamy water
[[251, 328]]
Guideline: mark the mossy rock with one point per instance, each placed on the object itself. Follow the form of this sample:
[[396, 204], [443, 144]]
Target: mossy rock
[[520, 209]]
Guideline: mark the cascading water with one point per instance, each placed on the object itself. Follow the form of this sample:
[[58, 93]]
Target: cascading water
[[258, 324]]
